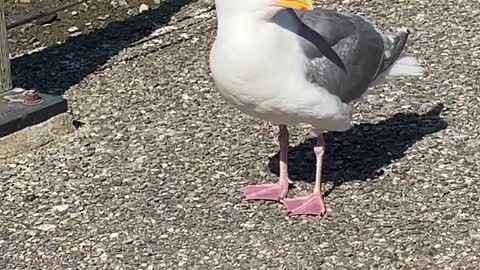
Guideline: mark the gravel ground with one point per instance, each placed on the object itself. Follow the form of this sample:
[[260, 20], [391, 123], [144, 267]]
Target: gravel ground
[[151, 178], [81, 19]]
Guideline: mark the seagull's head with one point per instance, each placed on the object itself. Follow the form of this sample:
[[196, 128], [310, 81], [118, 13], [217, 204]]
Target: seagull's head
[[243, 7]]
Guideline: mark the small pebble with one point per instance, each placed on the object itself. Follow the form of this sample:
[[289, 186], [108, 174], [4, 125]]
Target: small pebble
[[143, 7], [73, 29]]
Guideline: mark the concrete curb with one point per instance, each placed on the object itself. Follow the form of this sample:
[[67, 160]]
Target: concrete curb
[[33, 137]]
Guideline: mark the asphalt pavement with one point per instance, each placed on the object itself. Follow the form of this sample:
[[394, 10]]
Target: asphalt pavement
[[151, 178]]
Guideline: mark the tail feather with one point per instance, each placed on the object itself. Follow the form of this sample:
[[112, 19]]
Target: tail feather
[[396, 63], [395, 43], [405, 65]]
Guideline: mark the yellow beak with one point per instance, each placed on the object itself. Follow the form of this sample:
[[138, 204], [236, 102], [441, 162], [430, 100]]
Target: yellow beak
[[302, 5]]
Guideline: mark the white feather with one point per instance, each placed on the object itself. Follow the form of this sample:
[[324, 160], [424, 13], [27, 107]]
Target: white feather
[[405, 65]]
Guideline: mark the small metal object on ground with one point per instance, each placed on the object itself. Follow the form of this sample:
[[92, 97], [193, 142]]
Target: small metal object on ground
[[32, 97], [17, 110], [27, 97]]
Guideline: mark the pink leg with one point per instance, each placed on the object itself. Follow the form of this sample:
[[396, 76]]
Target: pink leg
[[276, 191], [312, 204]]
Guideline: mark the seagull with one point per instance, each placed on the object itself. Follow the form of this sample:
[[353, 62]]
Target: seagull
[[287, 63]]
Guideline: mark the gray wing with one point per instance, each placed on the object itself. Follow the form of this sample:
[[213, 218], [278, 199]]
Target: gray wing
[[361, 47]]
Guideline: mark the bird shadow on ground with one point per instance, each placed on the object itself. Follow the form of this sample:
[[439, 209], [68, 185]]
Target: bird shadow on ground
[[360, 153], [55, 69]]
